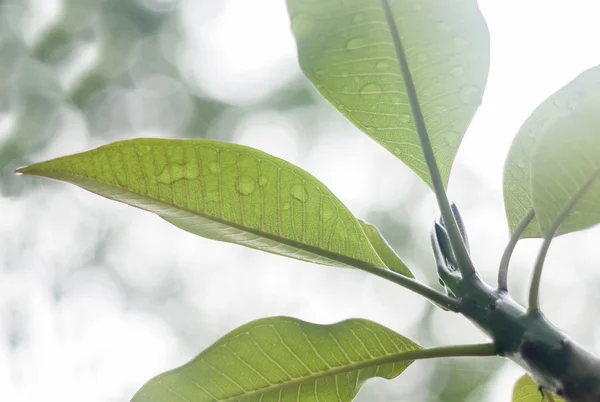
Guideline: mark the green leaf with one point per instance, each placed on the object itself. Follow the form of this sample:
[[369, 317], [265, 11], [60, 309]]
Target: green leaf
[[285, 359], [565, 171], [355, 52], [384, 250], [224, 192], [526, 390], [557, 109]]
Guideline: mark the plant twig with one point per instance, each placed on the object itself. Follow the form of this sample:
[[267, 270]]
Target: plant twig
[[409, 283], [534, 289], [508, 251], [465, 264]]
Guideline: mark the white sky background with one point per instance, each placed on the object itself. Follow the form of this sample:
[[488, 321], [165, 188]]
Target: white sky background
[[93, 348]]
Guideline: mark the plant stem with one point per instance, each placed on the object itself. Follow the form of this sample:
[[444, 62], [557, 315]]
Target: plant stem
[[465, 264], [534, 289], [508, 251], [548, 396], [469, 350], [410, 284]]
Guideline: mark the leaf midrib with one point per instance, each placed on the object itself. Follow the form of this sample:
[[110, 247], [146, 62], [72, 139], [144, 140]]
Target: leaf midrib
[[398, 357]]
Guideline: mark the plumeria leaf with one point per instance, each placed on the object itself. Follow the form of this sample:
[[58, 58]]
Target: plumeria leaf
[[224, 192], [526, 390], [391, 65], [561, 111], [285, 359]]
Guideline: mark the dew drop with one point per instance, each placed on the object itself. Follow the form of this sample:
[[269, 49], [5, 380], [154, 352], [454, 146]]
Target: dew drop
[[559, 103], [358, 18], [397, 151], [443, 27], [177, 172], [286, 206], [191, 170], [453, 138], [460, 42], [245, 185], [327, 213], [457, 71], [164, 176], [355, 43], [422, 58], [382, 66], [213, 167], [263, 181], [521, 164], [298, 191], [341, 106], [439, 109], [470, 95], [405, 118], [371, 92], [303, 26]]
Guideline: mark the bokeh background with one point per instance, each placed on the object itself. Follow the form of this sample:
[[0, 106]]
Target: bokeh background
[[97, 297]]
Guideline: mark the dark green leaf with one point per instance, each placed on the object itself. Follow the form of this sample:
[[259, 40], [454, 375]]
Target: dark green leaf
[[348, 50]]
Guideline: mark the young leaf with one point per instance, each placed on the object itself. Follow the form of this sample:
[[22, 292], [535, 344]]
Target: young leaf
[[517, 169], [224, 192], [285, 359], [378, 61], [526, 390], [384, 250], [565, 171]]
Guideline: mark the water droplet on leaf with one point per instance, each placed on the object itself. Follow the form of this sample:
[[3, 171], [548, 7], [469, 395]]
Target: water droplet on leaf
[[286, 206], [382, 66], [191, 170], [164, 176], [460, 42], [303, 26], [439, 109], [457, 71], [213, 167], [422, 58], [327, 213], [263, 181], [355, 43], [470, 95], [298, 191], [443, 27], [371, 92], [405, 118], [521, 164], [245, 185], [358, 18]]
